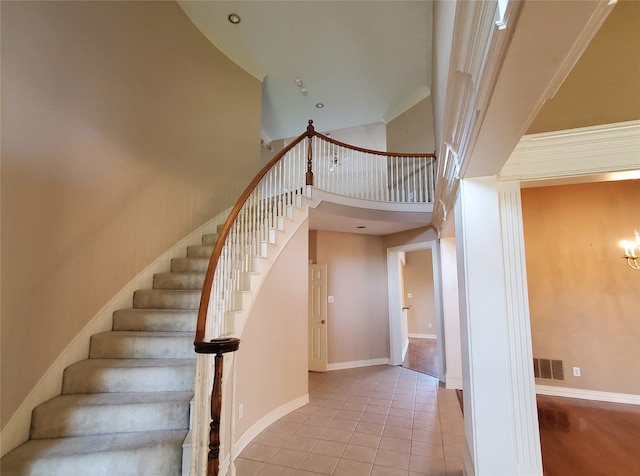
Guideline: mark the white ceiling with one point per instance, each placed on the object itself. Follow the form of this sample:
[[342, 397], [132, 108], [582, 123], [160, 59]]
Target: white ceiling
[[366, 61]]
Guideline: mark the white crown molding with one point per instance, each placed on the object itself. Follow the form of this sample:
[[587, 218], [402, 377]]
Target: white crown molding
[[421, 94], [575, 152], [595, 395]]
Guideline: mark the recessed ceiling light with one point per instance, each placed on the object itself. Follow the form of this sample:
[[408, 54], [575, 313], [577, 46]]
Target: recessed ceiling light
[[319, 105], [234, 18]]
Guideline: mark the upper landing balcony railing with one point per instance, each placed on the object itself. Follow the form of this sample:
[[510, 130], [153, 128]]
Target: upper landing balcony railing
[[311, 160]]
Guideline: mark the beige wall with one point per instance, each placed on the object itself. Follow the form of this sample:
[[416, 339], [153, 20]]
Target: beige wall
[[123, 129], [418, 281], [412, 131], [584, 299], [272, 359], [602, 88], [409, 237], [358, 320]]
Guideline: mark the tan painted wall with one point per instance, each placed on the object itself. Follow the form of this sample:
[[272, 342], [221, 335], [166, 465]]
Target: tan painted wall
[[358, 320], [417, 235], [418, 281], [272, 359], [602, 88], [123, 129], [412, 131], [584, 299]]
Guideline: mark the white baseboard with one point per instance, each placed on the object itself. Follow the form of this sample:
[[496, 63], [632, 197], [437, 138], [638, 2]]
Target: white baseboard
[[267, 420], [16, 431], [596, 395], [453, 383], [359, 363], [423, 336]]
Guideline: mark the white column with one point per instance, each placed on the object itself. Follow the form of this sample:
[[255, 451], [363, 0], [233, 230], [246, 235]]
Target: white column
[[529, 458], [499, 397], [451, 313]]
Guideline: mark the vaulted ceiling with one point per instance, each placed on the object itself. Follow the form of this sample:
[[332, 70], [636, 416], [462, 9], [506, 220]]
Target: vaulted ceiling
[[364, 61]]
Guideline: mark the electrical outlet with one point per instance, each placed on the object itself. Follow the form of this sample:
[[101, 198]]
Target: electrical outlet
[[576, 371], [240, 411]]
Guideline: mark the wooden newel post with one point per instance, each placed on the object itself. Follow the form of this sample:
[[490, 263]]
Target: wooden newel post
[[219, 347], [213, 458], [310, 133]]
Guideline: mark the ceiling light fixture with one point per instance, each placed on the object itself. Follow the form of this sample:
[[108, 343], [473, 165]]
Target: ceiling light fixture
[[234, 18], [319, 105]]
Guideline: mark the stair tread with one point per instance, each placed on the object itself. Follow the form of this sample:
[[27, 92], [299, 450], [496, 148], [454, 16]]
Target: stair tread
[[132, 363], [41, 456], [118, 334], [116, 398]]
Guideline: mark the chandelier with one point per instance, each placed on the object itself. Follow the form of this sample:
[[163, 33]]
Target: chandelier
[[632, 251]]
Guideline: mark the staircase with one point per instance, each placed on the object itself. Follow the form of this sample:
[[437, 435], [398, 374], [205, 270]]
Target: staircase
[[125, 410]]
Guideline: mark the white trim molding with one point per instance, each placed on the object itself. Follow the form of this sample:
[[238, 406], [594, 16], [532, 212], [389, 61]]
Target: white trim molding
[[267, 420], [575, 152], [359, 363], [627, 398], [423, 336], [16, 431], [421, 94]]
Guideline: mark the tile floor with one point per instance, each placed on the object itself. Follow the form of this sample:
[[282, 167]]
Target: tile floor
[[373, 421]]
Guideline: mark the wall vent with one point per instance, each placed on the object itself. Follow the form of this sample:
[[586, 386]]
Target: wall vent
[[548, 369]]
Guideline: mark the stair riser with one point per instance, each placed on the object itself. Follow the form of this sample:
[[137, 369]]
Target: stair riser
[[102, 419], [154, 320], [163, 299], [210, 239], [182, 281], [202, 251], [189, 265], [143, 379], [110, 346]]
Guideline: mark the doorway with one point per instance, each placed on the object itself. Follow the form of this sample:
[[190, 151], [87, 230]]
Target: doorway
[[415, 315], [419, 301]]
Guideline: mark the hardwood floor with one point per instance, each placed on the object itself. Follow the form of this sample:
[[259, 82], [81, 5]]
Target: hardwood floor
[[422, 356], [577, 437], [584, 438]]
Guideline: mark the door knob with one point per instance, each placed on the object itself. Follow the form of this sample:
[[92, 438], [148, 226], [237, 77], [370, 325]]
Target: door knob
[[323, 321]]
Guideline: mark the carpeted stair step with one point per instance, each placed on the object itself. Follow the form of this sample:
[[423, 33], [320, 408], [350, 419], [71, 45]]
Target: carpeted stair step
[[129, 375], [178, 281], [100, 413], [199, 251], [160, 320], [166, 299], [141, 345], [189, 265], [149, 453]]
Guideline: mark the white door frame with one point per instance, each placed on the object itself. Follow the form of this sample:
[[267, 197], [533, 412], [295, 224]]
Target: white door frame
[[396, 344]]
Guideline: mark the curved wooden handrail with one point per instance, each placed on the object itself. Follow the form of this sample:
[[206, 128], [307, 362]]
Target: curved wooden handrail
[[370, 151], [220, 345], [201, 346]]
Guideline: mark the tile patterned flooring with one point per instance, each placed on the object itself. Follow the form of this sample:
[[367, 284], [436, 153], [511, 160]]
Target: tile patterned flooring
[[370, 421]]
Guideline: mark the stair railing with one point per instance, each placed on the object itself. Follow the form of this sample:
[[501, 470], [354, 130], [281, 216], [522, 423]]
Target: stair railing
[[321, 162]]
